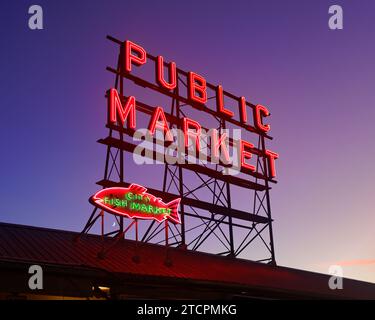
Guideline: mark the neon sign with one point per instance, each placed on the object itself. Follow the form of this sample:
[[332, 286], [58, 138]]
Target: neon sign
[[135, 202], [208, 140], [122, 110]]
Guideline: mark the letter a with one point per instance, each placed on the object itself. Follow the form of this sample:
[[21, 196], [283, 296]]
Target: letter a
[[36, 20], [36, 280], [336, 279], [336, 21]]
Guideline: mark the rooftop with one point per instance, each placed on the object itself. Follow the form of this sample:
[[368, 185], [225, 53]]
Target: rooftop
[[129, 261]]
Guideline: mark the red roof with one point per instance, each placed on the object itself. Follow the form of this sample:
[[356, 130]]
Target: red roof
[[57, 247]]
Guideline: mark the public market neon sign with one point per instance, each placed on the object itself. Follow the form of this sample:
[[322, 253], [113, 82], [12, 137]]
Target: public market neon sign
[[122, 110]]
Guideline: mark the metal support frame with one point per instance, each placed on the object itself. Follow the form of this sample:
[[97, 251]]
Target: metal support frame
[[202, 221]]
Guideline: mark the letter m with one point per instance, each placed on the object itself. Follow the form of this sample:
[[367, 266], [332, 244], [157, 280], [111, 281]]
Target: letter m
[[136, 206], [115, 108]]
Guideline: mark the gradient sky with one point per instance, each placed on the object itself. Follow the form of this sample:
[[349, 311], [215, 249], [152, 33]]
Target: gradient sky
[[319, 85]]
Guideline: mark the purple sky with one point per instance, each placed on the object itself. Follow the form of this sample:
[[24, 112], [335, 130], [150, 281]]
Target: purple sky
[[317, 83]]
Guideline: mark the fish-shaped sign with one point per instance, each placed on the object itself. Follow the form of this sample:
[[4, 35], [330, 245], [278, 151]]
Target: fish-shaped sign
[[135, 202]]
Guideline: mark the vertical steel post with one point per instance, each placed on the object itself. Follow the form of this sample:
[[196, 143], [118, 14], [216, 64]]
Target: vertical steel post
[[268, 202]]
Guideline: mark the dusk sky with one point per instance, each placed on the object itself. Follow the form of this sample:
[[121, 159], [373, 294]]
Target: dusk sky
[[319, 85]]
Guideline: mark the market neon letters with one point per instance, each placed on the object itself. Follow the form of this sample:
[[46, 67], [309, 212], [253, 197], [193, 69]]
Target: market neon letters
[[155, 123], [116, 108], [245, 153], [187, 125], [120, 114], [271, 156], [219, 143]]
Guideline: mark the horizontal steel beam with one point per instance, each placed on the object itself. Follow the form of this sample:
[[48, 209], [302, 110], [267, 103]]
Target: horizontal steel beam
[[130, 147]]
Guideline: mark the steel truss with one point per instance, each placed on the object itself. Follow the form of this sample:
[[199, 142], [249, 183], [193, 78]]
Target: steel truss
[[208, 224]]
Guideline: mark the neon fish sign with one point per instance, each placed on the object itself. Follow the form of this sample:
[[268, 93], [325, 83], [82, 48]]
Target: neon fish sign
[[135, 202]]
